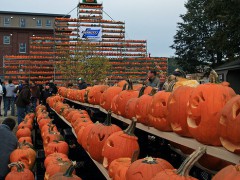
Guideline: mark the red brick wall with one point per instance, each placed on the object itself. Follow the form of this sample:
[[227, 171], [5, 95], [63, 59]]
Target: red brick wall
[[18, 36]]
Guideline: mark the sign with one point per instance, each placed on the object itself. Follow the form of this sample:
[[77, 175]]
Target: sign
[[91, 33], [89, 1]]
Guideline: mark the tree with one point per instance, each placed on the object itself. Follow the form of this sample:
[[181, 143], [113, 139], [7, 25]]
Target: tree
[[208, 35], [81, 61]]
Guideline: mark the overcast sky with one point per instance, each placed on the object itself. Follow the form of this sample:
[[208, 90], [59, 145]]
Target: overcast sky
[[153, 20]]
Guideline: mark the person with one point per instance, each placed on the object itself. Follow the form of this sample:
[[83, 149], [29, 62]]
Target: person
[[82, 84], [152, 79], [35, 90], [10, 87], [8, 145], [23, 101], [46, 93], [53, 87], [1, 95], [4, 95]]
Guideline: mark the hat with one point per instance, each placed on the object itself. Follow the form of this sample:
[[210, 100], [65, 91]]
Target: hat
[[80, 79]]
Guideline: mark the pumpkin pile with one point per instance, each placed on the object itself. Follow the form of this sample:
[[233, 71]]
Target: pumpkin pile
[[24, 154], [187, 110]]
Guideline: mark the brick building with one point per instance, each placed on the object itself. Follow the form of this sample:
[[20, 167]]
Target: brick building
[[16, 28]]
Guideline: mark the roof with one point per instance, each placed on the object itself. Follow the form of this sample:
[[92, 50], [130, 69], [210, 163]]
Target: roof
[[34, 14], [229, 65]]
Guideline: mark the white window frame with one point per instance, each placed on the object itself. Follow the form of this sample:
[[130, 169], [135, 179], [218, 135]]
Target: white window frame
[[39, 22], [6, 40], [21, 24], [48, 24], [22, 46]]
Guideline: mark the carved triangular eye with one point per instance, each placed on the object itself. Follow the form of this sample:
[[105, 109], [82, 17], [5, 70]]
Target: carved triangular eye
[[101, 138], [235, 111], [110, 143]]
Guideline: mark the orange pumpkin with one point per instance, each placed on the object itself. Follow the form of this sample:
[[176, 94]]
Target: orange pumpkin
[[82, 135], [142, 105], [113, 147], [227, 173], [147, 168], [95, 93], [230, 125], [20, 173], [157, 111], [177, 110], [118, 168], [56, 147], [205, 105], [23, 132], [98, 135], [54, 157]]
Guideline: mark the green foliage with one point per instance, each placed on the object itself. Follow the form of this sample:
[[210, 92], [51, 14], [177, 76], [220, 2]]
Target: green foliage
[[82, 62], [208, 35]]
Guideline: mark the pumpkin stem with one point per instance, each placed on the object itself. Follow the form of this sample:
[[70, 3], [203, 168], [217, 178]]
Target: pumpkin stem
[[237, 167], [69, 172], [20, 166], [131, 128], [184, 169], [141, 92], [153, 91], [108, 122], [124, 87], [149, 160], [130, 84]]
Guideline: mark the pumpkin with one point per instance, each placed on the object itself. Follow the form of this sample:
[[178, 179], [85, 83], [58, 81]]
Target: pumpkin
[[118, 168], [82, 135], [183, 171], [205, 104], [108, 95], [60, 167], [68, 175], [54, 157], [113, 147], [50, 136], [229, 125], [43, 122], [56, 147], [122, 83], [25, 154], [40, 107], [147, 168], [25, 139], [25, 123], [142, 104], [23, 132], [227, 173], [95, 93], [177, 110], [114, 105], [157, 111], [131, 104], [80, 124], [21, 173], [98, 135], [123, 98]]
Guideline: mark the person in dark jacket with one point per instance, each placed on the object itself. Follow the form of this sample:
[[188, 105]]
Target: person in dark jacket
[[35, 90], [8, 144], [82, 84], [10, 98], [53, 87], [47, 92], [23, 101]]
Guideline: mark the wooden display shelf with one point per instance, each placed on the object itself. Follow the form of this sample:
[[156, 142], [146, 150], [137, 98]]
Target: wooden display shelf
[[218, 152], [99, 165]]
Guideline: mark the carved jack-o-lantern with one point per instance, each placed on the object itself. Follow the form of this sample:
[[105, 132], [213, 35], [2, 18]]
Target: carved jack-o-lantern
[[147, 168], [177, 110], [98, 135], [157, 111], [205, 105], [95, 93], [120, 144], [118, 168], [230, 125]]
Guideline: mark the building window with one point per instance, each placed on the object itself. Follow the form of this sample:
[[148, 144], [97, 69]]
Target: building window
[[48, 23], [22, 22], [6, 39], [22, 48], [7, 21], [39, 23]]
